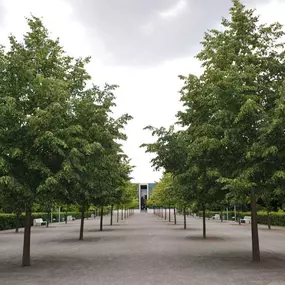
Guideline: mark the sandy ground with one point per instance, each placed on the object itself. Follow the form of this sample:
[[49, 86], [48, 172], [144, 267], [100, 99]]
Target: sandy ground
[[143, 249]]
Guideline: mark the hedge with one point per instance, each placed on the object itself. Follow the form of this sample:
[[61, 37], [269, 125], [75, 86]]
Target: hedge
[[276, 218], [9, 221]]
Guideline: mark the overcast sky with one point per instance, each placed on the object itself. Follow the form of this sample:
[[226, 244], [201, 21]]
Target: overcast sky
[[141, 45]]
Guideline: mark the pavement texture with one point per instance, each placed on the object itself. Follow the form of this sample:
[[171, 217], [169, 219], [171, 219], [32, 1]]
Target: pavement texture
[[143, 249]]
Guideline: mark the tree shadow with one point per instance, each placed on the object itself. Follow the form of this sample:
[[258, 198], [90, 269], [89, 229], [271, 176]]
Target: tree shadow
[[190, 229], [234, 260], [207, 239], [75, 240]]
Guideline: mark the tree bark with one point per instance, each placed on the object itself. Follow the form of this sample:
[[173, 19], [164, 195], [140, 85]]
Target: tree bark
[[165, 213], [26, 259], [66, 216], [169, 216], [238, 216], [254, 229], [101, 218], [204, 222], [111, 218], [268, 219], [81, 224], [174, 212], [118, 215], [17, 222], [184, 215], [221, 216], [48, 217], [122, 214]]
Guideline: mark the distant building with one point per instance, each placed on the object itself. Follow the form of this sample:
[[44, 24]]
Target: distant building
[[144, 192]]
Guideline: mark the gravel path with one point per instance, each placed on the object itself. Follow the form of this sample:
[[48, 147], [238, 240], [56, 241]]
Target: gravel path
[[143, 250]]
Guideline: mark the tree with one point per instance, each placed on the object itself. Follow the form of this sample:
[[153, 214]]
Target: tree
[[232, 118], [37, 81], [244, 68]]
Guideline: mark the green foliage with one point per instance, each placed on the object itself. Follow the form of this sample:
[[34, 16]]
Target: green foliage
[[9, 221], [233, 139], [168, 193], [276, 218], [59, 142]]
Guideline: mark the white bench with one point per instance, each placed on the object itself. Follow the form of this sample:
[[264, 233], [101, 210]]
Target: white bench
[[38, 222], [69, 218], [246, 220], [216, 217]]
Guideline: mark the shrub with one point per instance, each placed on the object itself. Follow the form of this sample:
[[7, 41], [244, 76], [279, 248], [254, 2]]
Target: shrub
[[9, 221], [276, 218]]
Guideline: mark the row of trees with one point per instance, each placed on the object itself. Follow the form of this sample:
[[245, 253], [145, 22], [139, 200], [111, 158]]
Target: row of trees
[[168, 196], [230, 141], [59, 142]]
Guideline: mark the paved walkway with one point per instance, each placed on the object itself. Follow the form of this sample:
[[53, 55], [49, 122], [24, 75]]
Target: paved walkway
[[143, 250]]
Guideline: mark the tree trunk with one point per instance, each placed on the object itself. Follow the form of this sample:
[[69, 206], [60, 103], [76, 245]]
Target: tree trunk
[[184, 215], [174, 212], [48, 218], [169, 216], [111, 218], [254, 229], [66, 216], [26, 259], [221, 216], [122, 214], [165, 213], [81, 224], [118, 215], [268, 219], [238, 216], [204, 222], [17, 222], [101, 218]]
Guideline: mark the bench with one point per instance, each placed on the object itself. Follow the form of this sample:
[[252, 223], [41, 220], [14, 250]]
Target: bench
[[39, 222], [246, 220], [216, 217], [69, 218]]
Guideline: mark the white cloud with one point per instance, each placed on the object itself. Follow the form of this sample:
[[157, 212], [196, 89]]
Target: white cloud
[[174, 11], [147, 28], [272, 11]]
